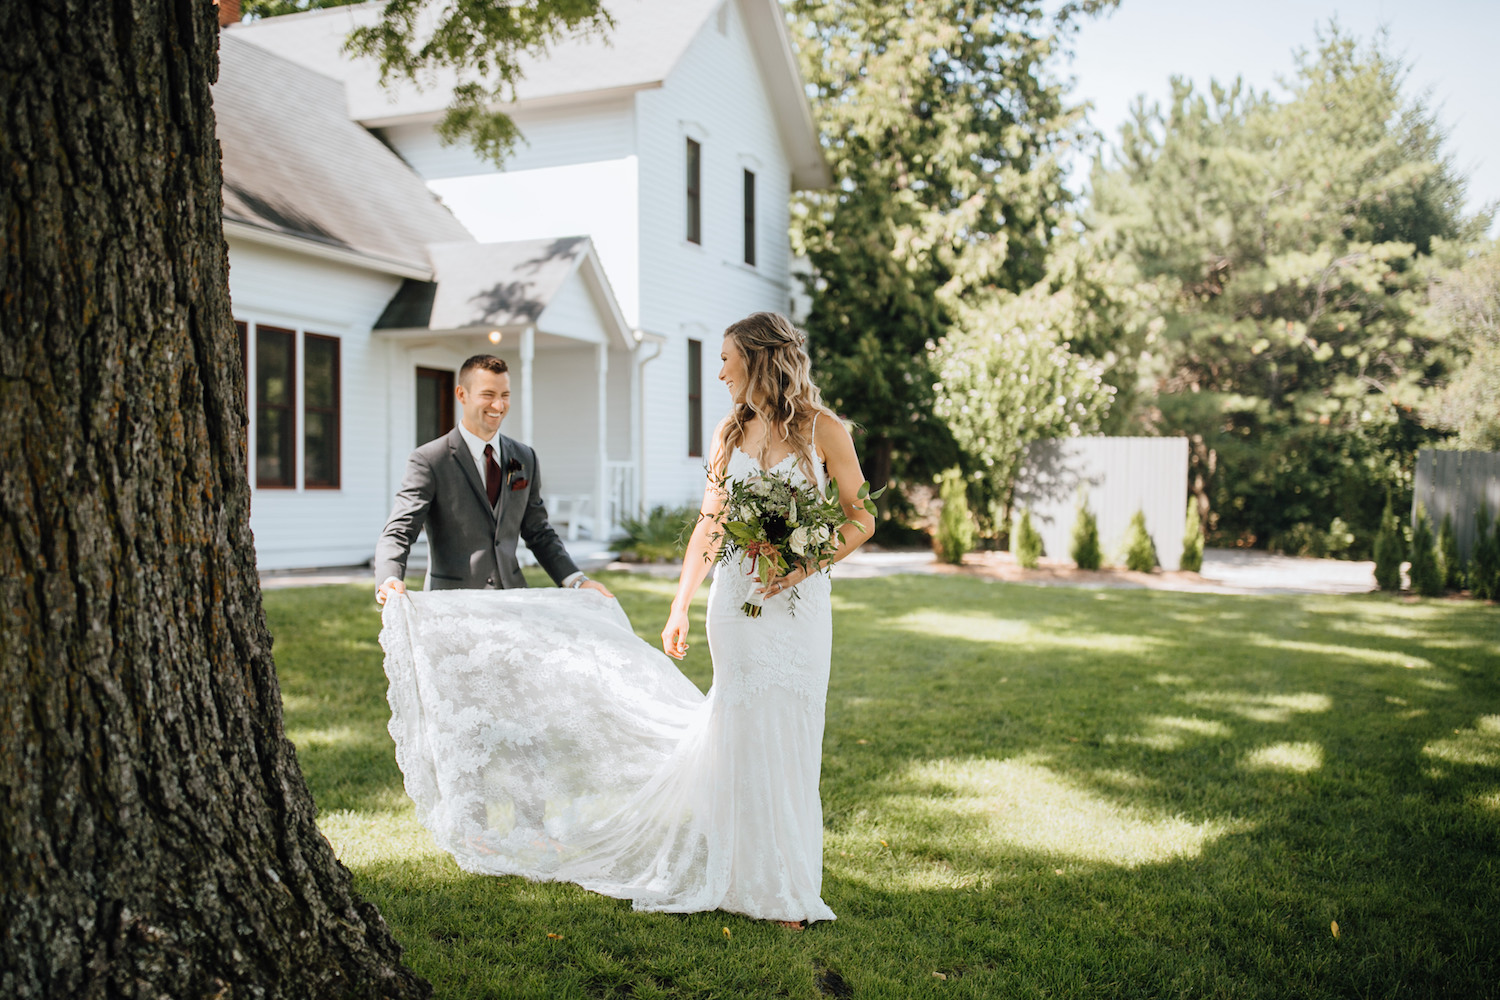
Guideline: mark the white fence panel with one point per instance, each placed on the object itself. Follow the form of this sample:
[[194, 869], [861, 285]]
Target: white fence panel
[[1118, 476], [1458, 484]]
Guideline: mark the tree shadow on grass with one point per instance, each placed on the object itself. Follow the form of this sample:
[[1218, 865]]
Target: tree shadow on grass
[[1079, 793]]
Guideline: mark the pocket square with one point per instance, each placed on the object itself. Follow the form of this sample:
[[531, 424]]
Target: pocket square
[[519, 484]]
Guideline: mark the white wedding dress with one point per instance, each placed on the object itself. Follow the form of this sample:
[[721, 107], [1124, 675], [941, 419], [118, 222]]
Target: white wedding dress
[[540, 737]]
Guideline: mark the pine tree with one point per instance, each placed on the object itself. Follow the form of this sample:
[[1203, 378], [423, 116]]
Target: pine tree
[[1452, 561], [1028, 545], [1484, 566], [1192, 539], [1085, 551], [955, 533], [1426, 574], [1390, 550], [1140, 550]]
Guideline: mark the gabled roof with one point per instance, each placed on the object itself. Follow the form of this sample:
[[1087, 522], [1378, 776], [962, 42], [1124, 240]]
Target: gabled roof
[[648, 40], [295, 166], [501, 286]]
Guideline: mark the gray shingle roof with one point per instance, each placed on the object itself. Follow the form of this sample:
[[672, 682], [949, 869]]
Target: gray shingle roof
[[497, 285], [295, 164]]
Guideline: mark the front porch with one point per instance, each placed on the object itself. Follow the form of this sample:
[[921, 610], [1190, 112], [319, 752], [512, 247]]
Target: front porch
[[546, 308]]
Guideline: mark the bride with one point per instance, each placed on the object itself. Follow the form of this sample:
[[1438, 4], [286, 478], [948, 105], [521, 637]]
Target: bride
[[540, 737]]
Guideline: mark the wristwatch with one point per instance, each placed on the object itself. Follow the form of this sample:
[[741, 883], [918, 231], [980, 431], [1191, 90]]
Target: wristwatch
[[579, 582]]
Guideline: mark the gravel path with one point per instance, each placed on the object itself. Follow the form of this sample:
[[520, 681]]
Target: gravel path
[[1225, 571]]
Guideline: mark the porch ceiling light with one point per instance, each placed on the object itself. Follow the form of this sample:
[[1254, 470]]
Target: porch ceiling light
[[495, 336]]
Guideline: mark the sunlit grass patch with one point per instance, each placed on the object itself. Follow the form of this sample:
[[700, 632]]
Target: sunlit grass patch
[[1261, 707], [1025, 806], [1479, 746], [1295, 758]]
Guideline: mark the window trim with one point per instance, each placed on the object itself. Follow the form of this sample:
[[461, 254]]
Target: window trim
[[694, 167], [336, 411], [290, 481], [695, 398]]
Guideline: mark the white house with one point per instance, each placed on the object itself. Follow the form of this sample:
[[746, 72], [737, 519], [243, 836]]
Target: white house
[[645, 210]]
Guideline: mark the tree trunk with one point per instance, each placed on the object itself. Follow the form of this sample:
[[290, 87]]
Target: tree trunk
[[156, 836]]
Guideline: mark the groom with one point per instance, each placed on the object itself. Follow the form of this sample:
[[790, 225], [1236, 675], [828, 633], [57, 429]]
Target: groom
[[475, 491]]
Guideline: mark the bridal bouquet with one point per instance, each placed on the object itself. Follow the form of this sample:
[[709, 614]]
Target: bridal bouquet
[[780, 524]]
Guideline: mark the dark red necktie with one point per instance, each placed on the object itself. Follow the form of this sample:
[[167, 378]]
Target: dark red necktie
[[491, 474]]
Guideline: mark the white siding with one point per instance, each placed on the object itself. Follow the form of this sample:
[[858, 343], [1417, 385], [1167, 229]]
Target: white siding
[[321, 527], [716, 96], [556, 137]]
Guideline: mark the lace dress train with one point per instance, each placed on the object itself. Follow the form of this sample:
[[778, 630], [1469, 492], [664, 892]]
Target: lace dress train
[[538, 736]]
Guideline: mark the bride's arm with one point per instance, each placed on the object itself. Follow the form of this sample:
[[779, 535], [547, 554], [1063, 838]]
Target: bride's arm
[[842, 461], [702, 550]]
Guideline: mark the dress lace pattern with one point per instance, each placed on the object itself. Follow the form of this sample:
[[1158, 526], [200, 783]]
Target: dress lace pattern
[[538, 736]]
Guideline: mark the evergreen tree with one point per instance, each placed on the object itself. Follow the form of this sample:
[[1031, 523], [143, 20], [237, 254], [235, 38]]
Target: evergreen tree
[[1390, 550], [955, 533], [1288, 247], [1140, 550], [1426, 573], [1452, 562], [1028, 545], [1484, 564], [1192, 539], [1085, 550]]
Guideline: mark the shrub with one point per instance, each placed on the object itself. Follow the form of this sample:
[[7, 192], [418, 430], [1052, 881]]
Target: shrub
[[895, 534], [1140, 550], [955, 534], [1451, 562], [1484, 567], [1028, 545], [661, 536], [1086, 552], [1390, 550], [1426, 576], [1306, 539], [1192, 539]]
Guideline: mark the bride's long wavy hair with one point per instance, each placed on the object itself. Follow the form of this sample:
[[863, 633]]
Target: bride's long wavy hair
[[779, 388]]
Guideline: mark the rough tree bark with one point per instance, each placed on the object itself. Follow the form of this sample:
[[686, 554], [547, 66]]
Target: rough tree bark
[[157, 838]]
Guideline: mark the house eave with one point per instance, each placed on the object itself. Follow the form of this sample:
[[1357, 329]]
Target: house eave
[[252, 233]]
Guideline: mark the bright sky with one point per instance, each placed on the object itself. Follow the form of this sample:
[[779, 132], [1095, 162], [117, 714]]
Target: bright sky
[[1451, 49]]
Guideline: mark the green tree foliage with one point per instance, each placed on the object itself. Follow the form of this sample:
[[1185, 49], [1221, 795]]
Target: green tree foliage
[[944, 123], [1005, 379], [1484, 563], [1292, 243], [1426, 571], [1466, 301], [955, 532], [1192, 539], [1390, 550], [476, 43], [1140, 550], [1028, 545], [1449, 559], [1085, 549]]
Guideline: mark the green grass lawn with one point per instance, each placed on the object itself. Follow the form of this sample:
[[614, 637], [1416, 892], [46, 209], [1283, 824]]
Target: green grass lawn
[[1030, 791]]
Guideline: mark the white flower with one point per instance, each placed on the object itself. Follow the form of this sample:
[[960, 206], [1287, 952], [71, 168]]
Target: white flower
[[798, 541], [791, 514], [760, 487], [822, 533]]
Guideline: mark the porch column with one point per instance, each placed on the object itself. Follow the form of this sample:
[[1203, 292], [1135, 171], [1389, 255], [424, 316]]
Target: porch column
[[601, 467], [528, 355]]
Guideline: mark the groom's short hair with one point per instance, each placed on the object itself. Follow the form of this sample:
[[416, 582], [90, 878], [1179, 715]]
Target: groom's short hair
[[485, 362]]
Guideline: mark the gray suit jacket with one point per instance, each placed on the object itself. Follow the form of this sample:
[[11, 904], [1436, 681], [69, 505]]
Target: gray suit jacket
[[470, 545]]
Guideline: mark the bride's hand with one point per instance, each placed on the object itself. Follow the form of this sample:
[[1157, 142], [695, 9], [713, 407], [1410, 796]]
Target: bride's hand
[[781, 584], [674, 636]]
